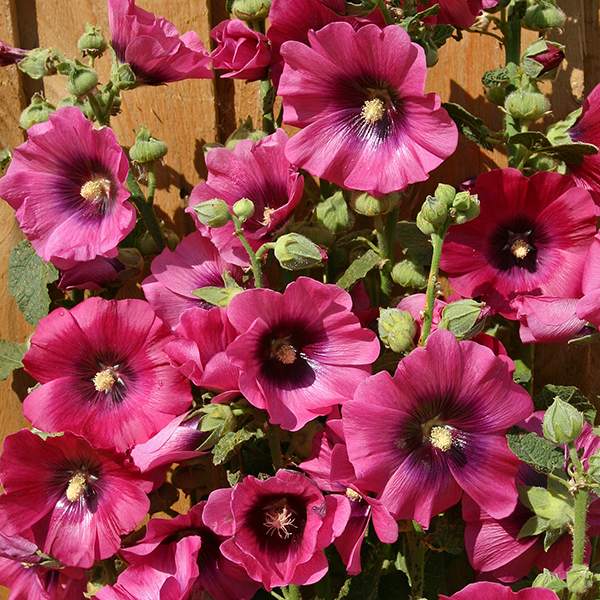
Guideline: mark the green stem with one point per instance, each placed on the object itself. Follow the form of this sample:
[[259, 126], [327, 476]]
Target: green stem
[[580, 508], [292, 592], [437, 241], [387, 17], [267, 97], [264, 249], [146, 211], [416, 562], [254, 262], [384, 249], [97, 109], [112, 94], [512, 37], [275, 446], [151, 185]]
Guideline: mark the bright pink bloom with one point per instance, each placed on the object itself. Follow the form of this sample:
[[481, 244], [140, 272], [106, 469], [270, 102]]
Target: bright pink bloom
[[77, 500], [10, 55], [278, 527], [359, 98], [198, 351], [331, 470], [496, 591], [195, 263], [459, 13], [425, 441], [531, 238], [241, 52], [67, 186], [301, 352], [104, 372], [153, 47], [260, 172]]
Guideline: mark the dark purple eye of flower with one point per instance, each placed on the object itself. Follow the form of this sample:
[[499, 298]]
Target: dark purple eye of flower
[[516, 245], [379, 112], [98, 192], [110, 377], [279, 520]]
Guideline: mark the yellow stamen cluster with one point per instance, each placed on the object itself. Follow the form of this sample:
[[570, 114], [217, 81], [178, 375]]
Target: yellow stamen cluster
[[441, 438], [96, 190], [373, 110], [105, 380], [77, 487], [353, 495], [520, 249]]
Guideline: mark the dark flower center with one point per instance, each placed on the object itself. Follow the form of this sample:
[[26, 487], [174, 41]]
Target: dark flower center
[[107, 377], [283, 351], [280, 519], [516, 244], [380, 111], [97, 190], [438, 434], [80, 484]]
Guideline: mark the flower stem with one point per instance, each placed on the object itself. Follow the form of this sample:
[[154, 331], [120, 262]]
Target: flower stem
[[146, 211], [254, 261], [512, 37], [384, 249], [151, 185], [275, 447], [437, 241], [97, 109], [292, 592], [416, 561], [267, 97], [579, 532], [387, 17]]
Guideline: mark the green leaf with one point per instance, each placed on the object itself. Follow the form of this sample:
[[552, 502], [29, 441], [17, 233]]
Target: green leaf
[[231, 442], [571, 154], [219, 296], [534, 140], [522, 372], [333, 213], [472, 127], [28, 279], [359, 268], [533, 526], [567, 393], [552, 506], [537, 452], [11, 355], [417, 245], [551, 536], [5, 157], [558, 133]]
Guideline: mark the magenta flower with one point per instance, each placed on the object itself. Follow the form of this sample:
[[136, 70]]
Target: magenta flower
[[260, 172], [77, 500], [89, 275], [425, 441], [359, 98], [531, 238], [198, 351], [496, 591], [67, 186], [153, 47], [195, 263], [278, 527], [241, 52], [114, 385], [460, 14], [10, 55], [301, 352]]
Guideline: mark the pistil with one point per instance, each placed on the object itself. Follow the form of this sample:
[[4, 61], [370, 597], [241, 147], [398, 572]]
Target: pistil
[[280, 521], [96, 190]]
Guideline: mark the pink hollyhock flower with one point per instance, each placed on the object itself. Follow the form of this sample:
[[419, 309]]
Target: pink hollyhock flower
[[10, 55], [77, 500], [89, 275], [331, 470], [199, 351], [460, 14], [277, 527], [260, 172], [496, 591], [195, 263], [114, 385], [528, 240], [241, 52], [153, 47], [359, 98], [301, 352], [425, 441], [67, 186]]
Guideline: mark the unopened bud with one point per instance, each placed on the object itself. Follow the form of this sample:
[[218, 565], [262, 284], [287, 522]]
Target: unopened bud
[[146, 148], [409, 275], [295, 252], [10, 55], [212, 213], [543, 14], [243, 209], [434, 213], [333, 214], [526, 104], [38, 111], [547, 579], [464, 318], [465, 207], [40, 62], [371, 206], [397, 329], [562, 422], [82, 79], [580, 580], [92, 42], [122, 76], [251, 10], [542, 59]]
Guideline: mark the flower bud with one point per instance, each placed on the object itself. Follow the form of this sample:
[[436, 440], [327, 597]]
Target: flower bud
[[526, 104], [397, 330], [580, 580], [243, 209], [92, 42], [371, 206], [38, 111], [213, 213], [122, 76], [433, 215], [251, 10], [464, 318], [10, 55], [496, 94], [333, 214], [82, 104], [562, 422], [295, 252], [146, 148], [465, 207], [40, 62], [542, 59], [547, 579], [82, 80], [409, 275], [543, 14]]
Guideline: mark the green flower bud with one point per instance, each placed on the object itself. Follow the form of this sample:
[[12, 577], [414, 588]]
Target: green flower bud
[[562, 422], [333, 214], [296, 252], [251, 10], [465, 207], [543, 14], [371, 206], [445, 193], [82, 80], [496, 94], [547, 579], [38, 111], [92, 42], [122, 76], [543, 162], [243, 209], [526, 104], [171, 238], [397, 330], [146, 148], [464, 318], [409, 275], [433, 215], [213, 213], [580, 580], [40, 62]]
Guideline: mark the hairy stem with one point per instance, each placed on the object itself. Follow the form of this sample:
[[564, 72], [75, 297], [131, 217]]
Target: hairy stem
[[254, 261], [579, 532], [384, 247], [437, 241], [275, 446]]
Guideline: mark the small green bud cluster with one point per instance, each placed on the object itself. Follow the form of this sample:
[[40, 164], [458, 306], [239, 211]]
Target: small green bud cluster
[[92, 42], [397, 330], [562, 422], [146, 148]]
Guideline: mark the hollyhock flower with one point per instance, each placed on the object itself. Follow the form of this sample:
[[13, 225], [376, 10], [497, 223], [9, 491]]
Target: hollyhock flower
[[77, 500], [425, 441], [299, 353], [198, 351], [359, 98], [67, 186], [114, 385], [153, 47], [260, 172], [496, 591], [331, 470], [528, 240], [89, 275], [278, 527], [460, 14], [194, 263], [241, 52], [10, 55]]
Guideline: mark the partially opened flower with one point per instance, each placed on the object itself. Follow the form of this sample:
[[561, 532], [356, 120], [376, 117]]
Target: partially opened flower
[[90, 274], [10, 55], [497, 591], [277, 527], [531, 238], [76, 500], [425, 441], [104, 372], [67, 186], [260, 172], [195, 263], [301, 352], [153, 47], [358, 97]]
